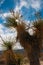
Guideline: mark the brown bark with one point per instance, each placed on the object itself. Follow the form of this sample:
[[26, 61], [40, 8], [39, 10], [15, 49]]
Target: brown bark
[[29, 42], [34, 55], [34, 58]]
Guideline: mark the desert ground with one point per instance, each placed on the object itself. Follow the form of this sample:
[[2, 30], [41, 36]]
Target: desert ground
[[24, 61], [27, 63]]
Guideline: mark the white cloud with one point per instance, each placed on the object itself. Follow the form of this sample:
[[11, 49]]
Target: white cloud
[[5, 32], [4, 15], [17, 46], [19, 6], [35, 4], [8, 37], [1, 32], [23, 3], [26, 3], [1, 26]]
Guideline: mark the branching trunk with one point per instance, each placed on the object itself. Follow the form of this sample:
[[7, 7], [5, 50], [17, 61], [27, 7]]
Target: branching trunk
[[26, 40]]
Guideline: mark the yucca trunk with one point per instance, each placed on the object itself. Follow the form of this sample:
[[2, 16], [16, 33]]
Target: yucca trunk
[[35, 50], [34, 57], [30, 44], [10, 58]]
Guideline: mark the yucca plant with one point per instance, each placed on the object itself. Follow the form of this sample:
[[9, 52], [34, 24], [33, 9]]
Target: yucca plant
[[9, 53], [30, 43], [39, 25]]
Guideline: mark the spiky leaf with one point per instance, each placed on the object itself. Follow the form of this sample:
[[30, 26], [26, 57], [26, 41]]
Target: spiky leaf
[[10, 22]]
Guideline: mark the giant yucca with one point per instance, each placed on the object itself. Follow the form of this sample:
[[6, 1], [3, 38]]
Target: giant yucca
[[30, 43]]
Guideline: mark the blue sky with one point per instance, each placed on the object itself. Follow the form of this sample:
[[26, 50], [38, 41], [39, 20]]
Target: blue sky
[[26, 7]]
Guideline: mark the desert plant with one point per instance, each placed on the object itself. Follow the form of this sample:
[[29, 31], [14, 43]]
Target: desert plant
[[9, 53], [30, 43], [39, 25]]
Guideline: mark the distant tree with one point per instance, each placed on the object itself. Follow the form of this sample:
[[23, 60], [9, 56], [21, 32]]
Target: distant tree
[[29, 42]]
